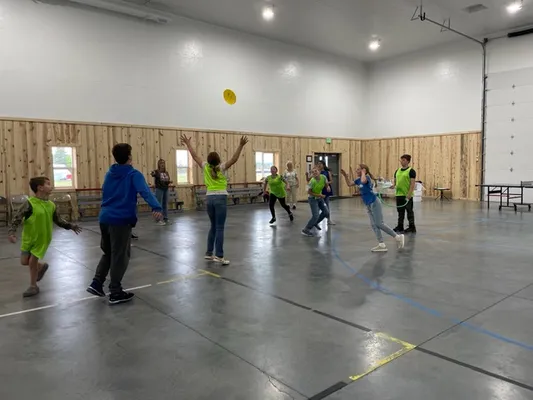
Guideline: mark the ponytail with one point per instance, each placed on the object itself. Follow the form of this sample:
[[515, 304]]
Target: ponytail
[[214, 171], [368, 173]]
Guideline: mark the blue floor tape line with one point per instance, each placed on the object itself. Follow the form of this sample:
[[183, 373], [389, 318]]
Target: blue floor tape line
[[423, 308]]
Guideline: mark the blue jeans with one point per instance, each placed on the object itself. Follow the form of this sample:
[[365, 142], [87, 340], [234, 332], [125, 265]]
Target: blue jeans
[[162, 198], [316, 204], [376, 220], [216, 209]]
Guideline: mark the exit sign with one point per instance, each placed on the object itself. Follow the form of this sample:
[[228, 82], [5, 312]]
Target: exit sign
[[328, 140]]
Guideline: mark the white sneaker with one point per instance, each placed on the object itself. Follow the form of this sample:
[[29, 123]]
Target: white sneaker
[[221, 260], [209, 258], [400, 240], [330, 222], [380, 248], [161, 223]]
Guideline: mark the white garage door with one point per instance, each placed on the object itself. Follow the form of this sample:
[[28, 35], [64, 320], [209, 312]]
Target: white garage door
[[509, 123]]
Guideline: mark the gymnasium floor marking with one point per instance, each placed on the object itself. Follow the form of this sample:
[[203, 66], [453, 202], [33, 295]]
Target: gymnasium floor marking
[[432, 311], [69, 303]]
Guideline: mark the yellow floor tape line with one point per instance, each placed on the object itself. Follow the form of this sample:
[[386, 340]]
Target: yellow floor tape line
[[395, 340], [210, 273], [381, 363]]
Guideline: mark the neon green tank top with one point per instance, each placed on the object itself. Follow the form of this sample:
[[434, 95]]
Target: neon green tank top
[[220, 183], [277, 186], [37, 230], [403, 182], [316, 186]]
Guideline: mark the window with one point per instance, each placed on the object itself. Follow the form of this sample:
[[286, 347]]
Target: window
[[263, 162], [182, 162], [64, 167]]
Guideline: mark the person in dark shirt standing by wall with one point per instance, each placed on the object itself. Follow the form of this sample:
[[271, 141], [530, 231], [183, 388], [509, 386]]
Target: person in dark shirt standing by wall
[[404, 181], [162, 181]]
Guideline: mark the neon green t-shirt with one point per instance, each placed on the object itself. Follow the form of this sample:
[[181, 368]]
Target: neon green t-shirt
[[37, 231], [218, 184], [277, 186], [317, 186]]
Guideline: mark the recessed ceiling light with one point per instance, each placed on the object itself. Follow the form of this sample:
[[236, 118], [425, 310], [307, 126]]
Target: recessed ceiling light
[[514, 7], [374, 45], [268, 13]]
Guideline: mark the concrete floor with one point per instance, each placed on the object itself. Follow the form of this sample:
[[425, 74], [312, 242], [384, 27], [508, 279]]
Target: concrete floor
[[449, 317]]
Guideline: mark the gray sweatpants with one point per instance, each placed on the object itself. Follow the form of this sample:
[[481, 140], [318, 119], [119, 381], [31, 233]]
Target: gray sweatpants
[[115, 243], [376, 220]]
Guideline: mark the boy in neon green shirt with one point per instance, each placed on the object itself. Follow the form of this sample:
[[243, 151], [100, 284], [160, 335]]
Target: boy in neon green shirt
[[277, 186], [38, 214], [404, 181]]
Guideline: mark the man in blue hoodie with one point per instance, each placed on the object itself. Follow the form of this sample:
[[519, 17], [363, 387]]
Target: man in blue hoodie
[[118, 214]]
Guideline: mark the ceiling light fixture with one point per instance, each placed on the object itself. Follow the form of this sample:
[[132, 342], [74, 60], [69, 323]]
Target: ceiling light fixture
[[268, 13], [515, 7], [374, 44]]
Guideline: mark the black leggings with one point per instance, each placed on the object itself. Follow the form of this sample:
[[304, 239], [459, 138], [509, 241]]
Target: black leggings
[[272, 200]]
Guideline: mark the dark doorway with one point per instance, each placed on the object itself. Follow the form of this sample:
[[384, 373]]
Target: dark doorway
[[333, 161]]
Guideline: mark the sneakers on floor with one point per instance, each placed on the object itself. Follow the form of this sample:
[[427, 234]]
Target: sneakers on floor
[[209, 257], [379, 248], [273, 220], [221, 260], [400, 240], [398, 229], [291, 217], [330, 222], [31, 291], [120, 297], [307, 233], [134, 236], [96, 289], [410, 229], [161, 223], [42, 271]]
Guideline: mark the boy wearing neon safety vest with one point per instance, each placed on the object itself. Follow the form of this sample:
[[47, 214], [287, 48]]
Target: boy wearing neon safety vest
[[37, 215], [404, 181], [316, 202]]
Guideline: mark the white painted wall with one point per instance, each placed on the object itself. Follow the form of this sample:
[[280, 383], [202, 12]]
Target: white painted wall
[[509, 128], [437, 90], [58, 62]]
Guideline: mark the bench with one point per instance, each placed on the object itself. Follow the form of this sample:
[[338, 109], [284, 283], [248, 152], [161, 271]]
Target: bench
[[243, 191], [91, 199], [64, 206]]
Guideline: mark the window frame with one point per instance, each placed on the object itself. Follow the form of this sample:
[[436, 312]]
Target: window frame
[[73, 169], [275, 160], [188, 168]]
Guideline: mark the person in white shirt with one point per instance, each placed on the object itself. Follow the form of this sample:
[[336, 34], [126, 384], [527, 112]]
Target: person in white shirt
[[291, 176]]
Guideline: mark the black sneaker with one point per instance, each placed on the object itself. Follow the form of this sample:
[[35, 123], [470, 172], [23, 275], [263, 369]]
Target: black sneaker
[[410, 229], [398, 229], [272, 221], [121, 297], [96, 289], [134, 236], [291, 217]]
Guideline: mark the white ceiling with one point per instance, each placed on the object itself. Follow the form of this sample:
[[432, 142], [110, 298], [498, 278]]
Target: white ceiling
[[344, 27]]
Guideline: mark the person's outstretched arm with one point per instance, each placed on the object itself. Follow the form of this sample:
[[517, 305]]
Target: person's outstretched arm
[[348, 182], [237, 154], [142, 188], [187, 142]]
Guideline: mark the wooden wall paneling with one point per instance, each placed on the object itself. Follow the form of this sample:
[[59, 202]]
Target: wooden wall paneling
[[3, 161]]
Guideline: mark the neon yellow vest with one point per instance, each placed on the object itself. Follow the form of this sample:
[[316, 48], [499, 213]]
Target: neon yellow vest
[[403, 182], [317, 186], [37, 230], [214, 184]]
